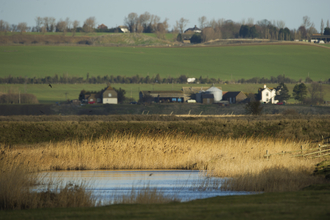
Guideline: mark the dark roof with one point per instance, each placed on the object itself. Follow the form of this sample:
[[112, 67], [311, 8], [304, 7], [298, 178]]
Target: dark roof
[[207, 95], [193, 29], [230, 94]]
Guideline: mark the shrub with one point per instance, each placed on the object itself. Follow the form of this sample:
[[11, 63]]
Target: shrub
[[254, 108]]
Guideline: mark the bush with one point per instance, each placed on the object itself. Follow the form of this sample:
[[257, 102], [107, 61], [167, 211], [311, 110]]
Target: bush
[[254, 108]]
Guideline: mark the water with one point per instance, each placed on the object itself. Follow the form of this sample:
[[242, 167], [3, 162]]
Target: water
[[104, 184]]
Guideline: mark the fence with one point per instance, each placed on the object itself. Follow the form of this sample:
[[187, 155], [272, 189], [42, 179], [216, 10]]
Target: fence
[[320, 151]]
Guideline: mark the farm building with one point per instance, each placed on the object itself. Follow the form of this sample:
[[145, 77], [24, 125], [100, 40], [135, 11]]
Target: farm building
[[267, 95], [109, 96], [194, 29], [234, 97], [196, 92], [161, 96]]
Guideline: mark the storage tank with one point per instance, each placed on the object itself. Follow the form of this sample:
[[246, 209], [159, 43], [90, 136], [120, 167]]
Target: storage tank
[[199, 96], [217, 93]]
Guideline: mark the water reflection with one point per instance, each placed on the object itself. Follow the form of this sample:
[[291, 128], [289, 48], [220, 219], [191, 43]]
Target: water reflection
[[183, 184]]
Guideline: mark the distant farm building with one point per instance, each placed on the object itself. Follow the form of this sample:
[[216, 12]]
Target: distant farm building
[[123, 29], [194, 29], [109, 96], [234, 97], [267, 95], [161, 96]]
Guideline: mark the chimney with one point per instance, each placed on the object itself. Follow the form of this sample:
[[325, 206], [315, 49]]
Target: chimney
[[265, 86]]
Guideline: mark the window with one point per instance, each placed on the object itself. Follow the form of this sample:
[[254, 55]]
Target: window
[[267, 100], [91, 100], [266, 93], [109, 94]]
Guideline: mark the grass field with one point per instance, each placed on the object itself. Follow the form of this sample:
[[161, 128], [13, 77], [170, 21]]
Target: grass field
[[232, 62], [51, 95]]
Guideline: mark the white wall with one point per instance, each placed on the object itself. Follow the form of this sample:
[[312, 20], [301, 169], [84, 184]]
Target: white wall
[[110, 101]]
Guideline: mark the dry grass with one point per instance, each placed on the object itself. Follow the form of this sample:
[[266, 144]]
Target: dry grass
[[16, 191], [145, 195], [241, 158]]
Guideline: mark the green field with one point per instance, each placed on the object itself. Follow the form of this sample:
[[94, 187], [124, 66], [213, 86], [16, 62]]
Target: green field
[[46, 95], [231, 62], [289, 205]]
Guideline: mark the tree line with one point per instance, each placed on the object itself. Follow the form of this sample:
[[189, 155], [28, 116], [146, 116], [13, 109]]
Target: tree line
[[149, 23], [182, 79]]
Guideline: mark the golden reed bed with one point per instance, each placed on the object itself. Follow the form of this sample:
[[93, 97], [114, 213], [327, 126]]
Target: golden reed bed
[[241, 159]]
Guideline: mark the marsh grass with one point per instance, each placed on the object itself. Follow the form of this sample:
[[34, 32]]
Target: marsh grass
[[242, 159], [17, 191], [144, 195]]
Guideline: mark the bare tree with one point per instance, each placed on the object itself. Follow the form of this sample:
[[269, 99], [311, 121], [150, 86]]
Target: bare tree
[[154, 20], [181, 24], [162, 29], [39, 22], [322, 26], [89, 24], [202, 22], [306, 22], [13, 27], [250, 21], [68, 23], [208, 34], [144, 20], [52, 24], [218, 34], [46, 23], [317, 92], [328, 24], [4, 26], [75, 24], [280, 24], [22, 27], [243, 21], [61, 26], [131, 21], [213, 24]]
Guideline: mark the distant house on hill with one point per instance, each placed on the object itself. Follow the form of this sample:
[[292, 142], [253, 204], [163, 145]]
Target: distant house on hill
[[123, 29], [102, 27], [194, 29], [267, 95]]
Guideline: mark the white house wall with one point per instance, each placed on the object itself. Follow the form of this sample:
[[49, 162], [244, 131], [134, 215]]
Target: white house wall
[[110, 101], [270, 97]]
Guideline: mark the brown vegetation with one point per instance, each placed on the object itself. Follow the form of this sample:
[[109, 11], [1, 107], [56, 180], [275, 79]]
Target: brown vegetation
[[17, 184], [243, 159], [18, 99]]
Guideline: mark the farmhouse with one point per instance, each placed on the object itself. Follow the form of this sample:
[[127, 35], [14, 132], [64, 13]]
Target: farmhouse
[[161, 96], [267, 95], [194, 29], [109, 96], [123, 29]]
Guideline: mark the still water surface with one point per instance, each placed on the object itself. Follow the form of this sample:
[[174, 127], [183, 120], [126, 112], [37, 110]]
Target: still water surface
[[185, 185]]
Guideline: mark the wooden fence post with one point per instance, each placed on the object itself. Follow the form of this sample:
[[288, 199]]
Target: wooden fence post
[[302, 151]]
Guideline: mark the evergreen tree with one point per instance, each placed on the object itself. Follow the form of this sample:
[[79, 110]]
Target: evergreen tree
[[283, 92], [299, 92]]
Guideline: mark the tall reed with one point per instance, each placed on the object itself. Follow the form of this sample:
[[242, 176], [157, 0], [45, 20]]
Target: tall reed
[[240, 158], [17, 191]]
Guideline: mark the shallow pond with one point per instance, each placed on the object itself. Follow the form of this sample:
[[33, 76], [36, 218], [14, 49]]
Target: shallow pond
[[105, 184]]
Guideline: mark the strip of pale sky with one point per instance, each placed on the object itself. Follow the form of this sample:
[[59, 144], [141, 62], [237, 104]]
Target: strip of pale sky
[[112, 13]]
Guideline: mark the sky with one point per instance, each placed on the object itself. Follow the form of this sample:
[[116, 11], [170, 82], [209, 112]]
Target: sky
[[112, 13]]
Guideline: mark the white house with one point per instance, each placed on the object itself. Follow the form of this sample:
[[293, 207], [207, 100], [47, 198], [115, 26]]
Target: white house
[[109, 96], [267, 95], [124, 29]]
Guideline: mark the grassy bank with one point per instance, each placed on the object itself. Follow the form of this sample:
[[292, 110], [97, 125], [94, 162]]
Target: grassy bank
[[226, 63], [292, 205], [78, 128]]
